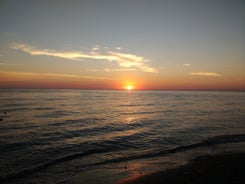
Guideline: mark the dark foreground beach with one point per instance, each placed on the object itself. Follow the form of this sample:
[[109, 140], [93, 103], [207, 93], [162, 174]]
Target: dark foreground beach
[[216, 169]]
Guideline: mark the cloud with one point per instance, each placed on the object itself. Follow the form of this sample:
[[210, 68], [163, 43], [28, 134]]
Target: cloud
[[186, 65], [119, 70], [9, 64], [124, 60], [208, 74], [97, 47], [30, 74], [131, 60]]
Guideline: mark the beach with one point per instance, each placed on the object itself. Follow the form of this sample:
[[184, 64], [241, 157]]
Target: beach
[[223, 168]]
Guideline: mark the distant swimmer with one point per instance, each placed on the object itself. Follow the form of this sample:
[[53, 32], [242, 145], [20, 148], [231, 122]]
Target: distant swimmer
[[1, 119]]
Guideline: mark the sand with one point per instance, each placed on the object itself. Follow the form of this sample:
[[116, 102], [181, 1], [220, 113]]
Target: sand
[[217, 169]]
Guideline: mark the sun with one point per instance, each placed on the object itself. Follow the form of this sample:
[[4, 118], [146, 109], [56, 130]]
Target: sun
[[129, 88]]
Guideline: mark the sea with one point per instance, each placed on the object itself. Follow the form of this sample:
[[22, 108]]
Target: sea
[[101, 136]]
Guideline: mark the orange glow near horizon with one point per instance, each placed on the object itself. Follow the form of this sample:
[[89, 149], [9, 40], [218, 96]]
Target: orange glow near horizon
[[38, 80]]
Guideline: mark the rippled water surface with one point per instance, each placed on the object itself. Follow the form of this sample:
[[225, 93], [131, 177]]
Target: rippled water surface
[[47, 136]]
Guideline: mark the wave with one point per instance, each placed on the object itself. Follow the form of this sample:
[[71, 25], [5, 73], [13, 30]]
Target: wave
[[208, 142], [43, 108], [54, 114], [18, 104], [80, 122], [137, 113], [16, 109], [136, 105], [28, 171]]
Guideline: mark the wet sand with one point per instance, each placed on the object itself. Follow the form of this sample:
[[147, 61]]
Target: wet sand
[[218, 169]]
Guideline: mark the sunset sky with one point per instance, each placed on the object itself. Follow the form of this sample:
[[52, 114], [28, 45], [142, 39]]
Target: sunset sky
[[111, 44]]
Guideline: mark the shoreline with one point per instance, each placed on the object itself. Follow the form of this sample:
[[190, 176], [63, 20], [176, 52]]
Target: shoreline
[[221, 168]]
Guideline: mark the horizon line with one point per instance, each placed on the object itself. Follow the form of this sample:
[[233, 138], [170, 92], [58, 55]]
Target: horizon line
[[114, 89]]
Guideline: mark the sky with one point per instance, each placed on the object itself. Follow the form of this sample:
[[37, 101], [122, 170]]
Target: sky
[[112, 44]]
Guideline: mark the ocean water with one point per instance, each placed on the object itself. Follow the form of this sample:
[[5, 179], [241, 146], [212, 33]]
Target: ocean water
[[48, 136]]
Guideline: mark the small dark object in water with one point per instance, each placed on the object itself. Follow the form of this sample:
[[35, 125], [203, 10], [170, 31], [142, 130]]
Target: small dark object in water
[[1, 119], [5, 112], [125, 167]]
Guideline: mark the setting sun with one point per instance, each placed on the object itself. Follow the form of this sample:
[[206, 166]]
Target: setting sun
[[129, 87]]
